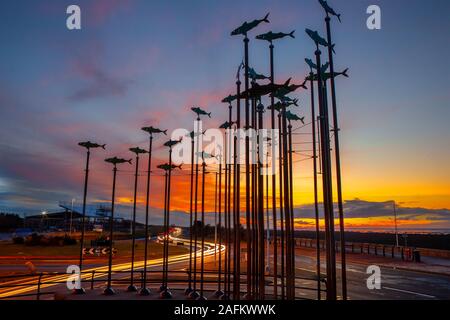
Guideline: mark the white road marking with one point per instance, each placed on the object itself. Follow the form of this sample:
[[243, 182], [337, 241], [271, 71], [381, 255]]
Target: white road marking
[[410, 292]]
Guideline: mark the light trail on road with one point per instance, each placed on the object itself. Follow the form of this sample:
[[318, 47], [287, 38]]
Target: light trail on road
[[209, 250]]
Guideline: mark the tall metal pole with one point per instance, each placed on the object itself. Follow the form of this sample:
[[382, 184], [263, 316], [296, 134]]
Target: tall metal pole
[[282, 224], [237, 279], [215, 217], [165, 293], [219, 291], [83, 222], [225, 295], [274, 182], [144, 290], [109, 290], [194, 294], [287, 212], [338, 164], [247, 171], [189, 288], [327, 186], [316, 200], [291, 200], [260, 176], [228, 213], [202, 269], [132, 287]]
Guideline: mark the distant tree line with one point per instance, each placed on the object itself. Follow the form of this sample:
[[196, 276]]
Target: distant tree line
[[10, 221]]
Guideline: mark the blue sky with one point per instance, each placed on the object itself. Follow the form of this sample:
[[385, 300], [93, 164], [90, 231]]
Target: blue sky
[[146, 62]]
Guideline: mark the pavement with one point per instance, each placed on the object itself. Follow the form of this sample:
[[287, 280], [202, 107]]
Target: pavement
[[400, 280]]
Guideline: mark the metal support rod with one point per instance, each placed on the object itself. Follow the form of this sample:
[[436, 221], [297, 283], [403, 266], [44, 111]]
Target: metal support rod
[[237, 279], [260, 176], [219, 291], [291, 201], [83, 222], [144, 289], [274, 182], [289, 285], [316, 201], [132, 288], [194, 294], [282, 225], [247, 170], [327, 187], [108, 289], [338, 164], [202, 269], [189, 288]]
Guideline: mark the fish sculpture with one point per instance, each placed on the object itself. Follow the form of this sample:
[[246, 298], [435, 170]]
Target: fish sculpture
[[312, 65], [314, 35], [167, 167], [327, 75], [226, 125], [247, 26], [270, 36], [293, 117], [256, 76], [116, 160], [329, 10], [281, 92], [261, 90], [172, 143], [152, 130], [229, 99], [138, 150], [92, 145], [200, 112]]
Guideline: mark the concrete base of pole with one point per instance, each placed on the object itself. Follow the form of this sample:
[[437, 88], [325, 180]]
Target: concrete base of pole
[[219, 293], [166, 294], [201, 298], [188, 291], [144, 292], [194, 295], [132, 288], [109, 291]]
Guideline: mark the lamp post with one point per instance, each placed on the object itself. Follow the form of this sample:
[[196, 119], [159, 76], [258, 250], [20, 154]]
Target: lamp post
[[151, 131], [88, 145], [137, 151], [114, 161]]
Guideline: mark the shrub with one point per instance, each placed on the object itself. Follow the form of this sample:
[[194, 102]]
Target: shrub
[[18, 240]]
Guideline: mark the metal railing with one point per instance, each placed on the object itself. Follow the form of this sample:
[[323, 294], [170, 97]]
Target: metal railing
[[41, 281]]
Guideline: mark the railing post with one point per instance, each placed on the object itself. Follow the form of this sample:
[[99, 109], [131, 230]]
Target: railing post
[[92, 280], [38, 297]]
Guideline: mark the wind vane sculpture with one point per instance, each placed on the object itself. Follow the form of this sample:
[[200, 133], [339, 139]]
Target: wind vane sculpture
[[151, 132], [330, 11], [114, 161], [88, 145]]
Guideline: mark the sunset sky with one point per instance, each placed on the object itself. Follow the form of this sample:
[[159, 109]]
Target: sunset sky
[[138, 63]]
